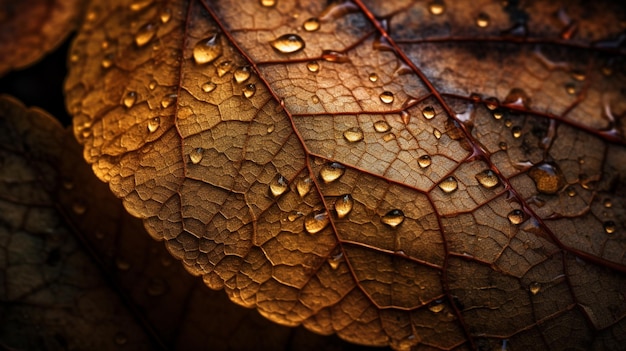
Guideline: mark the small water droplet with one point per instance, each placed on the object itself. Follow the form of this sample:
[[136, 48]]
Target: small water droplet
[[122, 264], [107, 61], [140, 5], [303, 186], [313, 66], [436, 306], [331, 171], [393, 218], [424, 161], [315, 99], [570, 89], [548, 177], [389, 137], [156, 287], [145, 34], [120, 338], [249, 90], [381, 126], [315, 222], [335, 56], [607, 203], [386, 97], [153, 124], [437, 7], [288, 43], [343, 206], [516, 132], [168, 100], [311, 25], [208, 87], [152, 85], [534, 288], [79, 208], [270, 128], [74, 58], [335, 260], [353, 134], [428, 112], [293, 215], [449, 185], [278, 185], [482, 20], [571, 192], [517, 98], [405, 116], [373, 77], [491, 103], [498, 115], [207, 50], [165, 15], [196, 155], [503, 146], [129, 99], [68, 184], [488, 179], [242, 74], [437, 133], [516, 216], [268, 3], [508, 123], [223, 68], [609, 227]]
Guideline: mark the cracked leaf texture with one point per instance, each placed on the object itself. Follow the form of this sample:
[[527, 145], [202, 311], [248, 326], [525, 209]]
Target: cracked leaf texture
[[424, 175]]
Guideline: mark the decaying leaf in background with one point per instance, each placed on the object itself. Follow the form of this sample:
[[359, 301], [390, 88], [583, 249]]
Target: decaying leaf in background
[[419, 174]]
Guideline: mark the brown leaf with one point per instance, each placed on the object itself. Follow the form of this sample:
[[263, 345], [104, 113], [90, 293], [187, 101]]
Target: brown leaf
[[408, 174]]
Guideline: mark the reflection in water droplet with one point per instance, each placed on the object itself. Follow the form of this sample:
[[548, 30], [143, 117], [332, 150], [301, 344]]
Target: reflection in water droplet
[[288, 43], [278, 185], [548, 177], [343, 205], [331, 171], [516, 216], [165, 15], [129, 99], [168, 100], [482, 20], [516, 132], [373, 77], [315, 222], [437, 133], [428, 112], [389, 137], [381, 126], [386, 97], [311, 25], [437, 7], [488, 179], [121, 338], [196, 155], [609, 227], [393, 218], [449, 185], [145, 34], [303, 186], [208, 87], [534, 288], [353, 134], [241, 74], [249, 90], [268, 3], [335, 260], [436, 306], [313, 66], [156, 287], [153, 124], [207, 50], [424, 161]]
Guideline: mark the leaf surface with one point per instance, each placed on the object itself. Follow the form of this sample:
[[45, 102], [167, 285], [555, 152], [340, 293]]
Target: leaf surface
[[413, 174]]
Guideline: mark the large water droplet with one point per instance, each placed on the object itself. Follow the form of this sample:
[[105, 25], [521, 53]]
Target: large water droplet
[[315, 222], [311, 25], [331, 171], [288, 43], [609, 227], [249, 90], [242, 74], [268, 3], [129, 99], [208, 87], [381, 126], [428, 112], [534, 288], [353, 134], [424, 161], [207, 50], [548, 177], [516, 216], [145, 34], [343, 205], [196, 155], [482, 20], [153, 124], [386, 97], [303, 186], [156, 287], [488, 178], [278, 186], [517, 98], [449, 185], [436, 7], [393, 218], [313, 66]]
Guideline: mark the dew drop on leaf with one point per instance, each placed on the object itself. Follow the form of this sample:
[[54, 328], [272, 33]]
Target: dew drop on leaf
[[313, 66], [482, 20], [195, 156], [353, 134], [335, 260], [607, 203], [303, 186], [268, 3], [488, 179], [436, 306], [343, 205], [165, 16], [449, 185], [249, 90], [516, 216], [428, 112], [571, 192], [139, 5], [224, 68], [335, 56], [548, 177], [107, 61], [497, 115], [145, 34], [152, 85], [373, 77], [516, 132], [315, 222], [288, 43], [153, 124], [207, 50], [517, 98], [570, 89], [437, 7], [208, 87], [503, 146], [609, 227], [491, 103], [437, 133], [386, 97], [79, 208], [156, 287], [129, 99], [389, 137], [393, 218], [278, 186], [534, 288], [381, 126], [424, 161], [311, 25], [168, 100], [331, 171], [122, 264], [241, 74]]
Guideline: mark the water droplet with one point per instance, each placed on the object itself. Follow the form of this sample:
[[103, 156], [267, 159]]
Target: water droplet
[[488, 179], [311, 25], [609, 227], [249, 90], [165, 15], [156, 287], [315, 99], [607, 203], [534, 288], [241, 74], [436, 306], [335, 260], [196, 155], [503, 146], [389, 137], [152, 85], [79, 208], [405, 116], [74, 58], [288, 43], [68, 184], [571, 192], [449, 185], [482, 20], [424, 161], [140, 5], [145, 34], [516, 216], [428, 112], [491, 103], [517, 98], [278, 185], [207, 50], [335, 56], [313, 66], [129, 99], [578, 75], [303, 186], [343, 206], [331, 171], [386, 97], [508, 123], [498, 115], [107, 61], [293, 215], [381, 126], [373, 77], [393, 218], [516, 132], [224, 68], [437, 7], [437, 133], [315, 222], [122, 264], [153, 124], [570, 89], [268, 3], [208, 87], [548, 177], [121, 338], [168, 100], [353, 134], [271, 128]]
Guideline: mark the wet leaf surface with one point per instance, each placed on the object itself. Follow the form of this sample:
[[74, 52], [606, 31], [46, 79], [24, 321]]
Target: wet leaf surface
[[413, 174]]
